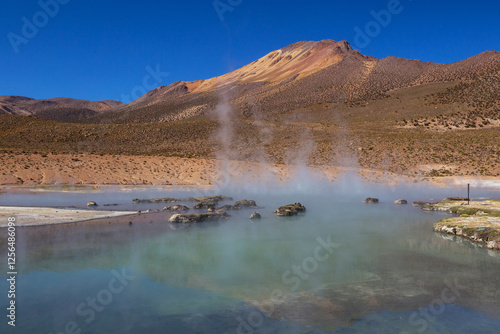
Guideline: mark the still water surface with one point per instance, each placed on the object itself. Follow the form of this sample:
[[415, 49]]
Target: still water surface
[[343, 267]]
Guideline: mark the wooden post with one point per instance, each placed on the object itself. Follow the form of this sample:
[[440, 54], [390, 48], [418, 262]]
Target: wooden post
[[468, 193]]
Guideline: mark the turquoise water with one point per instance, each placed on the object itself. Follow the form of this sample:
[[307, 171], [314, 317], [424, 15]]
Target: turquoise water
[[342, 267]]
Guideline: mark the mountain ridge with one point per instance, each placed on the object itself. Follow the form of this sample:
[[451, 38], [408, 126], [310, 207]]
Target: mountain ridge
[[297, 76]]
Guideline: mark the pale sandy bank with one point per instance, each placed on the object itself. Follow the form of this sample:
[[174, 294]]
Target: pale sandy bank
[[33, 216]]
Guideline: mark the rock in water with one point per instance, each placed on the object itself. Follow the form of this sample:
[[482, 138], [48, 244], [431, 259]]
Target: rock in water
[[401, 201], [290, 209], [255, 215], [214, 199], [420, 203], [244, 204], [159, 200], [225, 207], [91, 203], [205, 205], [197, 218], [456, 199], [176, 208], [371, 200]]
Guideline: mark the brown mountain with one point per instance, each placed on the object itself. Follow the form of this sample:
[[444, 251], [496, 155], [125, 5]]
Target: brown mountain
[[300, 76], [317, 101], [58, 109]]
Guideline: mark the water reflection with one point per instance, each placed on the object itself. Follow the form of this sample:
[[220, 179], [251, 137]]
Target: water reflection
[[386, 261]]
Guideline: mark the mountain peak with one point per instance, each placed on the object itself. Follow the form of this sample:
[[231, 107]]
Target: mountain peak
[[340, 46], [301, 58]]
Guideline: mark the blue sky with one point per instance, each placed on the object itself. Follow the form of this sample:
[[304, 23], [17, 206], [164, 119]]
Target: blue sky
[[100, 50]]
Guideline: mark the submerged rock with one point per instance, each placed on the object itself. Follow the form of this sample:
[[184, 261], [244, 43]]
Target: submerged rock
[[92, 203], [255, 215], [159, 200], [400, 201], [176, 208], [197, 218], [371, 200], [290, 209]]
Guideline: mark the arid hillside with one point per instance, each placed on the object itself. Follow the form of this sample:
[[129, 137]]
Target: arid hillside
[[58, 109], [320, 103]]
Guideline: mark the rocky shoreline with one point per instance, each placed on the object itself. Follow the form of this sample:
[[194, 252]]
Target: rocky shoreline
[[478, 221]]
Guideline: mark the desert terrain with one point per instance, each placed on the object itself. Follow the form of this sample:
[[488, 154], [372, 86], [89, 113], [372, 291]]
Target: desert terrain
[[316, 104]]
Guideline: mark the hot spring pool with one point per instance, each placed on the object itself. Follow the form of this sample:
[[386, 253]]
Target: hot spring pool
[[342, 267]]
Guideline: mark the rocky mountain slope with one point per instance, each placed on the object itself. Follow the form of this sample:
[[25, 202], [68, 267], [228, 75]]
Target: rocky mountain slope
[[302, 75], [322, 103]]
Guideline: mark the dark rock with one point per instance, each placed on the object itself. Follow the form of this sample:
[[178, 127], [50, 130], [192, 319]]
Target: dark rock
[[197, 218], [205, 205], [158, 200], [214, 199], [255, 215], [176, 208], [244, 204], [456, 199], [371, 200], [92, 203], [226, 207], [290, 209], [401, 201], [420, 203]]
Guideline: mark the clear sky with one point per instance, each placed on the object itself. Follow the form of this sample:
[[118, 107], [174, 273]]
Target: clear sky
[[104, 50]]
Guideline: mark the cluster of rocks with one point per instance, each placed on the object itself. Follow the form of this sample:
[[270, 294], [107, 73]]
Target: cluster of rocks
[[210, 203], [216, 214], [211, 206]]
